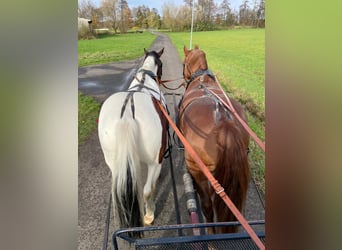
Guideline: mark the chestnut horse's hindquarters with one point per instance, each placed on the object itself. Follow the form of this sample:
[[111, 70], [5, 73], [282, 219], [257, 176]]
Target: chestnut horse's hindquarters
[[232, 170]]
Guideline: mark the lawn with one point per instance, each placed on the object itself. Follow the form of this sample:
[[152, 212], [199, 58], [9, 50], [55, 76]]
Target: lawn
[[88, 112], [113, 48], [237, 57]]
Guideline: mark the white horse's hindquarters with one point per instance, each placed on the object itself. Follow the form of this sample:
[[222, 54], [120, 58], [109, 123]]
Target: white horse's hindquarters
[[149, 126]]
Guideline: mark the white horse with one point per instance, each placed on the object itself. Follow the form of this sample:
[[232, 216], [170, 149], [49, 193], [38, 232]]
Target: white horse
[[132, 135]]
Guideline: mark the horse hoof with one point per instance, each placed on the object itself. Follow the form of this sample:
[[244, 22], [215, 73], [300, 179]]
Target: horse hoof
[[148, 220]]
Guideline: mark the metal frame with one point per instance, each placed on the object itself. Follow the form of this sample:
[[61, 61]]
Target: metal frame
[[183, 239]]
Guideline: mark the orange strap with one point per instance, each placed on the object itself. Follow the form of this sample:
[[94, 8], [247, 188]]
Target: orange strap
[[243, 123], [162, 82], [214, 183]]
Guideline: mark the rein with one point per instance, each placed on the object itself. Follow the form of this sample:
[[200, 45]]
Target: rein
[[162, 82], [193, 77]]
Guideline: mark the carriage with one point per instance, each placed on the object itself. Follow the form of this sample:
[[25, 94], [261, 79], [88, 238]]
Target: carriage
[[140, 114]]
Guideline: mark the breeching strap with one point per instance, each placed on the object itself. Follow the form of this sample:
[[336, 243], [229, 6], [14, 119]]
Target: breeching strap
[[214, 183]]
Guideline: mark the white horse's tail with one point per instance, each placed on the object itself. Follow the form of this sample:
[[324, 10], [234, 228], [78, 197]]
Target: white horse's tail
[[127, 200]]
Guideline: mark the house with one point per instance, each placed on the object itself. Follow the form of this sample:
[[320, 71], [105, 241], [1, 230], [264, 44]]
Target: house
[[84, 24]]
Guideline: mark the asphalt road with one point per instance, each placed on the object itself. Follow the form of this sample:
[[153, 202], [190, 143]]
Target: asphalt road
[[100, 81]]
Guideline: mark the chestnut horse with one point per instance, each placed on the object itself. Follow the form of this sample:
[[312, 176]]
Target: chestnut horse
[[217, 137]]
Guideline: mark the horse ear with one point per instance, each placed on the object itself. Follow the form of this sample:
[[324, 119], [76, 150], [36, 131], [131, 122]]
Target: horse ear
[[196, 46], [160, 52], [145, 51], [186, 51]]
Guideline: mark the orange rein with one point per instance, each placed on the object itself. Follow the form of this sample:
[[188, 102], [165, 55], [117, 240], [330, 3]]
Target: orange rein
[[214, 183], [229, 105], [162, 82]]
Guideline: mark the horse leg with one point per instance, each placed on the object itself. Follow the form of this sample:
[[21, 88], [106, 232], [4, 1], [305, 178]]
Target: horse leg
[[149, 192], [205, 192]]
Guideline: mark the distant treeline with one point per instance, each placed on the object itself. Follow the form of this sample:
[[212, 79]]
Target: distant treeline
[[116, 15]]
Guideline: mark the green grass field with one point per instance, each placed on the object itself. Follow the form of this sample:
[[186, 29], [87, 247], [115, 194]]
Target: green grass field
[[237, 57], [113, 48], [88, 112]]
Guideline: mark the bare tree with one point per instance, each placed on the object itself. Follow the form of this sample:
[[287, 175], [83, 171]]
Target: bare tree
[[111, 12], [175, 17], [245, 14], [261, 14], [85, 9], [188, 3], [226, 13], [124, 16]]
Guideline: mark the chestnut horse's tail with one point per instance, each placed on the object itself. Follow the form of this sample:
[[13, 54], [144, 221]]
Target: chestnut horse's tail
[[232, 170]]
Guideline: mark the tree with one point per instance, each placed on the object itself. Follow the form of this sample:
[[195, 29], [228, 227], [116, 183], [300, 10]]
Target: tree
[[176, 18], [153, 19], [138, 19], [261, 14], [110, 9], [188, 3], [245, 14], [141, 17], [228, 17], [85, 9], [124, 17], [205, 12]]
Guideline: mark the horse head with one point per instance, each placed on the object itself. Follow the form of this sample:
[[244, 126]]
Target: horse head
[[194, 61], [157, 68]]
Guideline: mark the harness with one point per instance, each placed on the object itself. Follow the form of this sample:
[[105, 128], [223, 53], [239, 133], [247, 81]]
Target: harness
[[156, 97], [201, 73], [198, 73], [138, 88], [209, 92]]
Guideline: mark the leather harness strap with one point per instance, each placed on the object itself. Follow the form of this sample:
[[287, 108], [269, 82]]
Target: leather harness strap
[[227, 103], [139, 87], [165, 128], [163, 120], [198, 73]]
